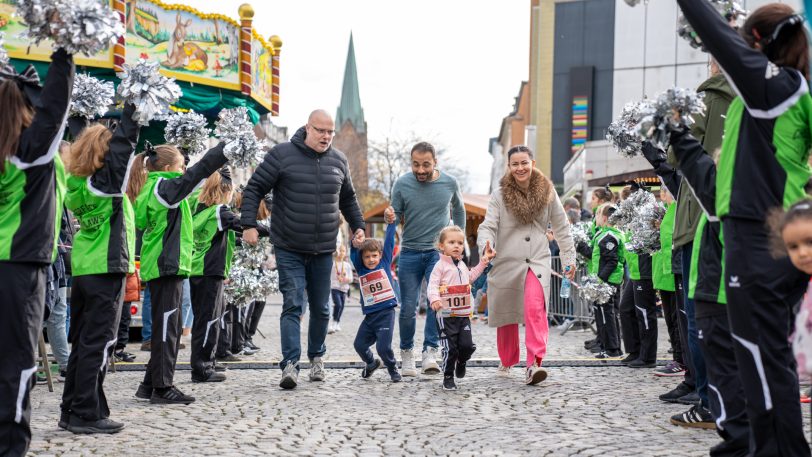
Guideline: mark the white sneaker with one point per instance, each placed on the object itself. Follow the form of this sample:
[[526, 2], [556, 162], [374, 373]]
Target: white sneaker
[[337, 327], [331, 327], [429, 364], [317, 369], [407, 364], [503, 371], [534, 375]]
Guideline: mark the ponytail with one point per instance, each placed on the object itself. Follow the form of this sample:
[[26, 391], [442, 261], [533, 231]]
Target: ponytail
[[15, 117], [154, 158], [138, 176]]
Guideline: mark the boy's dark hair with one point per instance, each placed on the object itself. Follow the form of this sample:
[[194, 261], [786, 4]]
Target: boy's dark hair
[[370, 245], [779, 219]]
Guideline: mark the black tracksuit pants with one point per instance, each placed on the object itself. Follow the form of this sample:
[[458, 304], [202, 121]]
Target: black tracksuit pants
[[606, 322], [761, 294], [207, 306], [457, 342], [239, 329], [377, 328], [628, 319], [255, 315], [224, 341], [94, 314], [166, 294], [670, 310], [682, 325], [22, 306], [124, 327], [645, 304], [725, 393]]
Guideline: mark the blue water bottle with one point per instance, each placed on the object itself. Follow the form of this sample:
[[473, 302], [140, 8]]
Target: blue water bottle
[[566, 285]]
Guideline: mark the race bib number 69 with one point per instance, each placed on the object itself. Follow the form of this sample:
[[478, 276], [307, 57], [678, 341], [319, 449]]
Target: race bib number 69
[[376, 288]]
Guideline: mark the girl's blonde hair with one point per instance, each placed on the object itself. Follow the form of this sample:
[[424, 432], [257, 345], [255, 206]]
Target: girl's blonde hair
[[86, 154], [446, 230], [215, 191], [152, 159]]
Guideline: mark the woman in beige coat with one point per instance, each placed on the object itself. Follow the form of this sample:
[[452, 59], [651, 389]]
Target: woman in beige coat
[[516, 222]]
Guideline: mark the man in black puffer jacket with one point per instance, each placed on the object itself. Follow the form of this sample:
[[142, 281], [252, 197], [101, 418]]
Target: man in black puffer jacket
[[311, 184]]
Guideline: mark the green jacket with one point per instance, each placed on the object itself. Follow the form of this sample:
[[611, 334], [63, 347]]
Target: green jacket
[[214, 240], [709, 130], [661, 271], [608, 255]]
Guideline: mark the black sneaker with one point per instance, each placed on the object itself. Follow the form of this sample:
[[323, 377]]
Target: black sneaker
[[122, 356], [589, 344], [211, 376], [80, 426], [170, 396], [690, 399], [459, 370], [609, 355], [448, 383], [144, 392], [630, 358], [641, 364], [228, 357], [219, 368], [678, 392], [369, 369], [64, 419], [394, 375], [696, 417], [596, 349]]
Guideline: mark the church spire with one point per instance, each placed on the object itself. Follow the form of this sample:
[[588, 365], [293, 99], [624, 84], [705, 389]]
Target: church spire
[[350, 107]]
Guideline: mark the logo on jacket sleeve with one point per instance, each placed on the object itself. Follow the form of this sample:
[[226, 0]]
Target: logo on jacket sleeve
[[734, 282]]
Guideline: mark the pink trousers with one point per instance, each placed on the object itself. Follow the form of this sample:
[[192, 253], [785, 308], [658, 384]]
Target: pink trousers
[[536, 327]]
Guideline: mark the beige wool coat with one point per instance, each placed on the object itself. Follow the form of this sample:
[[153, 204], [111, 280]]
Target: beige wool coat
[[516, 225]]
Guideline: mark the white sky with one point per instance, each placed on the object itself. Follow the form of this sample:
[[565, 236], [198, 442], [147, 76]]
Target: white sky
[[447, 70]]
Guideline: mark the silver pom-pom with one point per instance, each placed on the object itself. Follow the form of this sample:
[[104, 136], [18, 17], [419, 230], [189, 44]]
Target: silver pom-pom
[[249, 280], [3, 53], [731, 10], [593, 290], [151, 92], [580, 234], [623, 131], [91, 97], [657, 115], [639, 216], [188, 131], [234, 128], [78, 26]]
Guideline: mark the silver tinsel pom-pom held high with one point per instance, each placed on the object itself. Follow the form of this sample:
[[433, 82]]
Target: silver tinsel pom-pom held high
[[234, 128], [91, 97], [624, 133], [593, 290], [3, 53], [580, 234], [78, 26], [731, 10], [248, 280], [151, 92], [188, 131], [658, 114], [638, 216]]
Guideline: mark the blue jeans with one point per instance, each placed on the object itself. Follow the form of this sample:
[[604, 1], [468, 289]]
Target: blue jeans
[[413, 268], [299, 272], [701, 373], [56, 323], [146, 317], [186, 305]]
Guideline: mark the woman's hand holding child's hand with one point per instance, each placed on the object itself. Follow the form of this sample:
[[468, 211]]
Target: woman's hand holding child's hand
[[489, 253]]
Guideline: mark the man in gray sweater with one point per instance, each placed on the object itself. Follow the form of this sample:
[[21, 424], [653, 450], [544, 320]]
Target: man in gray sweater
[[426, 200]]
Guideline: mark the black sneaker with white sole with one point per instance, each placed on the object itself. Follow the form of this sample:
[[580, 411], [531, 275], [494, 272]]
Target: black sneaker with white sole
[[449, 384], [170, 396], [369, 369], [696, 417], [82, 427]]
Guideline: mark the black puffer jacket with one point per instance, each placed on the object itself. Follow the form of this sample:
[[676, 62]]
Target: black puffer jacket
[[309, 189]]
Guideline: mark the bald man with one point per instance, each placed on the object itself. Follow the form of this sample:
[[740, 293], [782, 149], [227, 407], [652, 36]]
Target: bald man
[[311, 186]]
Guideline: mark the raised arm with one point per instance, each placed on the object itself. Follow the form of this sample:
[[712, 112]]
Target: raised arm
[[261, 182], [111, 179], [767, 91], [697, 168], [175, 190], [659, 161], [389, 244]]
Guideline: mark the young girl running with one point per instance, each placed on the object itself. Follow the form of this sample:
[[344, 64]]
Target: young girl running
[[340, 279], [105, 252], [162, 211], [31, 190], [449, 293], [763, 165]]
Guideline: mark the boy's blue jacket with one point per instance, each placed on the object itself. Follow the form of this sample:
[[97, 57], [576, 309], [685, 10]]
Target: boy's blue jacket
[[377, 291]]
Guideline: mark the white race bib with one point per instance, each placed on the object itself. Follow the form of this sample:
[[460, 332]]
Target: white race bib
[[376, 288]]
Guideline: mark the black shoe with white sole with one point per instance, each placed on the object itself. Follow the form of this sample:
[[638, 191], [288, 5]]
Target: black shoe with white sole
[[369, 369], [170, 396], [449, 384]]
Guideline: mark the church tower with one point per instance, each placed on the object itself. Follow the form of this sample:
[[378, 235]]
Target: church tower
[[351, 136]]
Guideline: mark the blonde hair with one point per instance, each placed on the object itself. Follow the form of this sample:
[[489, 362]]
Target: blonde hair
[[154, 159], [215, 191], [446, 230], [86, 154]]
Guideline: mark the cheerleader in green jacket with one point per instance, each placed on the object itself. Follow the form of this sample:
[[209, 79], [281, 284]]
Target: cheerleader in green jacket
[[163, 212], [104, 250], [32, 120]]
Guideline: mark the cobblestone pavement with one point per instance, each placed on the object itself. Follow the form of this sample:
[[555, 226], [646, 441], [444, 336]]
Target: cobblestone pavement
[[610, 411]]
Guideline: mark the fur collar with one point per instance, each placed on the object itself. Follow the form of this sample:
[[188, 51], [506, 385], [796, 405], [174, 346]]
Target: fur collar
[[526, 206]]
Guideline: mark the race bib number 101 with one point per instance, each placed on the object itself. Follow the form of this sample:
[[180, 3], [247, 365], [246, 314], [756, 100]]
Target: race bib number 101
[[376, 288], [457, 298]]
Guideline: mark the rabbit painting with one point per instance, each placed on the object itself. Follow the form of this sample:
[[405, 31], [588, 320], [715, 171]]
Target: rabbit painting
[[182, 54]]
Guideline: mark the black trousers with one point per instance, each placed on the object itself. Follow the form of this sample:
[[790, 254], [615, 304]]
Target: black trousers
[[22, 307], [94, 314], [645, 304], [628, 319], [456, 340], [239, 328], [606, 322], [377, 328], [761, 294], [124, 327], [725, 393], [166, 294], [207, 306], [670, 310], [682, 325], [257, 308]]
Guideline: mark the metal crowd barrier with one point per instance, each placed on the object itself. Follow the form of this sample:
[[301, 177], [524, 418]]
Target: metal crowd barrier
[[568, 313]]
